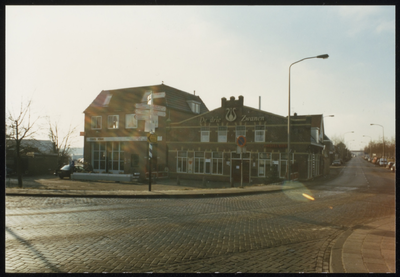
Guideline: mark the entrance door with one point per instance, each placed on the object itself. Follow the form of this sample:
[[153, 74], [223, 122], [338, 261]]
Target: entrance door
[[236, 172]]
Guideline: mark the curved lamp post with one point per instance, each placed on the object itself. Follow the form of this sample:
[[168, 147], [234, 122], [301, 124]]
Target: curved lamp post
[[383, 137], [370, 152], [325, 56]]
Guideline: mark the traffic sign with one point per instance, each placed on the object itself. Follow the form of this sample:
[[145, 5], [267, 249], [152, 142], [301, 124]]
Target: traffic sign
[[152, 138], [241, 141], [158, 94], [142, 106], [148, 107], [142, 117], [149, 112]]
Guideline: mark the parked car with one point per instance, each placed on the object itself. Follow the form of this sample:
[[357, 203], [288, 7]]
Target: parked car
[[389, 165], [65, 171], [374, 160], [393, 168], [336, 162], [383, 162]]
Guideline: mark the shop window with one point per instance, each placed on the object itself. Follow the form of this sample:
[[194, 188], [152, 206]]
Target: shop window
[[130, 121], [199, 162], [205, 134], [96, 122], [99, 156], [264, 164], [222, 134], [240, 131], [181, 161], [260, 134], [113, 121], [217, 163]]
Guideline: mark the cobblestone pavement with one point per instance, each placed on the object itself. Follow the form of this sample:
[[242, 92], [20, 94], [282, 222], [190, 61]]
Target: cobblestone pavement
[[270, 233]]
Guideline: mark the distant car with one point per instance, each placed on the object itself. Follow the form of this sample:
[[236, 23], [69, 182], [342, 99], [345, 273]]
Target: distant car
[[65, 171], [389, 165], [336, 162], [383, 162]]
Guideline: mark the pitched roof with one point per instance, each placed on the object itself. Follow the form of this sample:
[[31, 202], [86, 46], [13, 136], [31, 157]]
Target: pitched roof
[[126, 98]]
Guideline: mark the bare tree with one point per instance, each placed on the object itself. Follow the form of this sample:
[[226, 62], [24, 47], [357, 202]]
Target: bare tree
[[20, 127], [62, 143]]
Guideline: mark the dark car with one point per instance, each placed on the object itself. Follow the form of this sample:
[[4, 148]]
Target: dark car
[[336, 162], [65, 171]]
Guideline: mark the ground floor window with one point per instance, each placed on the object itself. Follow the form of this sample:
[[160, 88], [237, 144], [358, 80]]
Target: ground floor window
[[199, 162], [107, 156], [181, 161], [264, 164], [217, 163], [115, 155], [99, 156]]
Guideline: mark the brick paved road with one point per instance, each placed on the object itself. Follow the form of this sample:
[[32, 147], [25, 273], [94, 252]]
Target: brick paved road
[[275, 232]]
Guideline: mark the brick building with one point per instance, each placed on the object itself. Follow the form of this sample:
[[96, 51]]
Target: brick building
[[205, 146], [116, 140]]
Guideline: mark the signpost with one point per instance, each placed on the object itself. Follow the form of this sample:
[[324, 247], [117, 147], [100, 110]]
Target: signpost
[[149, 112], [241, 142]]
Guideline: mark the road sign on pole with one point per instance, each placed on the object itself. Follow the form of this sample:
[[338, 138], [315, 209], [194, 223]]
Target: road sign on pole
[[241, 141]]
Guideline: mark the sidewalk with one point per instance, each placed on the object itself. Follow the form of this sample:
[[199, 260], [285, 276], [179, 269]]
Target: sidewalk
[[53, 186], [369, 248]]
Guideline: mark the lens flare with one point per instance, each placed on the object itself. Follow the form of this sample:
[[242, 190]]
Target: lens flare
[[308, 196]]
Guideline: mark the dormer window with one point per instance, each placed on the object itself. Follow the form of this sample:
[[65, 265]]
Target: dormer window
[[194, 106], [107, 100]]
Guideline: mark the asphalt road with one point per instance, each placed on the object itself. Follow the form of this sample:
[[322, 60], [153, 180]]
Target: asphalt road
[[270, 233]]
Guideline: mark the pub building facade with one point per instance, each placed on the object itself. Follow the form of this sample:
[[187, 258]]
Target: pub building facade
[[115, 136], [205, 146]]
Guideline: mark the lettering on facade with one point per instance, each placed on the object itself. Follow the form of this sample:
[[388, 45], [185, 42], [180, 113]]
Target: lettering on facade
[[213, 119], [231, 116], [252, 118]]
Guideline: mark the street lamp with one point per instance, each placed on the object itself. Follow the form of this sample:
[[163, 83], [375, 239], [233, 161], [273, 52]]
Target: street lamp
[[344, 137], [331, 115], [370, 152], [383, 137], [325, 56]]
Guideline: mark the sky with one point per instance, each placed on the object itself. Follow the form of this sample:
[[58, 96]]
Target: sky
[[62, 57]]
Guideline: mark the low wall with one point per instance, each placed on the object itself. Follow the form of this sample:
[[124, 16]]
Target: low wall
[[102, 177]]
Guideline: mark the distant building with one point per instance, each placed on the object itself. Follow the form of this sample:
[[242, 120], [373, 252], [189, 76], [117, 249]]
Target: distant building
[[37, 156]]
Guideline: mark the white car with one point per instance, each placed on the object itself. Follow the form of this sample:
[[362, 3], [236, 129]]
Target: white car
[[383, 162]]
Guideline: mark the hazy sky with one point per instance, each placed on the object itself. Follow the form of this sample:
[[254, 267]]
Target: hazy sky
[[64, 56]]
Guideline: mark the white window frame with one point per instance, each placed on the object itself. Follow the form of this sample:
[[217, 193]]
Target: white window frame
[[128, 118], [241, 131], [216, 161], [259, 134], [181, 159], [205, 134], [194, 106], [199, 162], [97, 121], [111, 117], [222, 134], [262, 162]]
